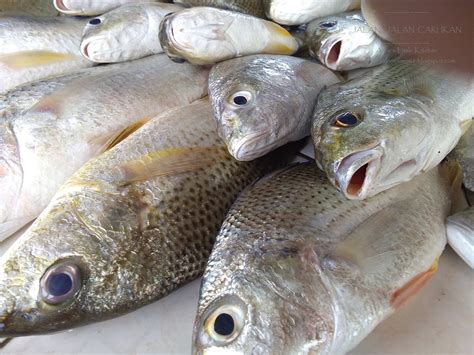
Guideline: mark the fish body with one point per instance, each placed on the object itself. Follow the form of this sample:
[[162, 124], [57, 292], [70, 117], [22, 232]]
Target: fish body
[[389, 125], [464, 153], [206, 35], [249, 7], [34, 7], [287, 12], [128, 228], [460, 232], [33, 48], [261, 102], [299, 269], [91, 7], [63, 130], [126, 33], [345, 42]]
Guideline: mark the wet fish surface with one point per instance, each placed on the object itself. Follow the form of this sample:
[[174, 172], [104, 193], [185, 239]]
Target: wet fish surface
[[460, 232], [389, 125], [289, 12], [206, 35], [128, 228], [63, 130], [249, 7], [91, 7], [297, 268], [345, 41], [262, 102], [107, 40], [33, 48]]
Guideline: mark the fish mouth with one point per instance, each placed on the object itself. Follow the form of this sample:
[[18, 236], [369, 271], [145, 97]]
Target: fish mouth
[[85, 49], [166, 37], [333, 54], [60, 6], [355, 174], [247, 147]]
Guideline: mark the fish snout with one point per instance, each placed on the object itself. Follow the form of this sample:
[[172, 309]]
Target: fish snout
[[355, 175]]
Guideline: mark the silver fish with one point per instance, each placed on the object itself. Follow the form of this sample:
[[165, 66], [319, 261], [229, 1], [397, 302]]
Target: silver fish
[[290, 12], [127, 33], [128, 228], [264, 101], [389, 125], [460, 231], [33, 48], [345, 41], [206, 35], [299, 269], [43, 146], [91, 7], [249, 7]]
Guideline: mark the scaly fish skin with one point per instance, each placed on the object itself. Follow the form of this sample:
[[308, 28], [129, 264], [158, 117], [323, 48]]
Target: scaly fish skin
[[206, 35], [299, 269], [133, 225], [249, 7], [264, 101], [33, 48], [289, 12], [107, 40], [345, 42], [63, 130], [91, 7], [389, 125]]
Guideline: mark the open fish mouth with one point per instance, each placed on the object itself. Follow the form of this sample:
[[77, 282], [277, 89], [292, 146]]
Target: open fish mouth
[[61, 6], [356, 173]]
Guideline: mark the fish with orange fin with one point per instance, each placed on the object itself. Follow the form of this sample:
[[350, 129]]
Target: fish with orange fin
[[299, 269]]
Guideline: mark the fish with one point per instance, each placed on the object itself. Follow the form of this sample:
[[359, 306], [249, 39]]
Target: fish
[[206, 35], [34, 7], [37, 47], [460, 232], [345, 41], [249, 7], [128, 228], [261, 102], [91, 7], [63, 130], [387, 126], [299, 269], [464, 154], [126, 33], [291, 13]]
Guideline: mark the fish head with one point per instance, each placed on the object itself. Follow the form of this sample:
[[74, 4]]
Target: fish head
[[117, 35], [369, 142], [342, 42], [256, 103], [258, 298]]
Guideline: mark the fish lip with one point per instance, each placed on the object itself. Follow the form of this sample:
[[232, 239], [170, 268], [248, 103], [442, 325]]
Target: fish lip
[[165, 36], [346, 169], [59, 5], [84, 49], [237, 145]]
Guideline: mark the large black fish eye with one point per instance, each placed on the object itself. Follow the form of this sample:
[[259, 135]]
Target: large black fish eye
[[240, 98], [347, 119], [224, 324], [328, 24], [60, 283], [95, 21]]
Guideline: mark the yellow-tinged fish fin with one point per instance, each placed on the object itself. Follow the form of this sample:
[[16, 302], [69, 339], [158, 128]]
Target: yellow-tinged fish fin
[[171, 161], [124, 133], [29, 59], [451, 171], [412, 287], [465, 125], [281, 41]]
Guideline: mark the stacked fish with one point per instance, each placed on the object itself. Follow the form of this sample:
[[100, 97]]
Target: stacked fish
[[175, 160]]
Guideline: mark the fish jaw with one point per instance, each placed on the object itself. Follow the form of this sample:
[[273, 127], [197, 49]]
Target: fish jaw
[[356, 174], [250, 147]]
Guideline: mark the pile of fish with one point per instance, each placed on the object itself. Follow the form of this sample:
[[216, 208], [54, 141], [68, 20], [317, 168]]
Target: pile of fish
[[156, 142]]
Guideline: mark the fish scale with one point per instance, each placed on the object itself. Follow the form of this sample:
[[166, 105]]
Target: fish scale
[[251, 7]]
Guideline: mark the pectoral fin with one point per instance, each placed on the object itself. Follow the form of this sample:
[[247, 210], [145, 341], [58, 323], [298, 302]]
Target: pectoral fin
[[30, 59]]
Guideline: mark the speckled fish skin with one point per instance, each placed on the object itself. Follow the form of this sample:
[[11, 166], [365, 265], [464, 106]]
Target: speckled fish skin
[[34, 7], [280, 93], [345, 42], [409, 117], [110, 41], [464, 153], [65, 129], [206, 35], [249, 7], [33, 48], [303, 270], [91, 7], [290, 12], [460, 232], [139, 221]]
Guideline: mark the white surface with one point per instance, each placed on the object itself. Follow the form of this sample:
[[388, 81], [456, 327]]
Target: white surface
[[439, 320]]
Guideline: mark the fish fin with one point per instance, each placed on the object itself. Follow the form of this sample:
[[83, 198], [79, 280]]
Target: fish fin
[[451, 172], [124, 133], [171, 161], [29, 59], [281, 41], [402, 295], [465, 125]]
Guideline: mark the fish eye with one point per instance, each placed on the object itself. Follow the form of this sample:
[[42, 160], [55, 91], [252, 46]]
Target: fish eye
[[347, 119], [95, 21], [241, 98], [328, 24], [60, 283], [224, 324]]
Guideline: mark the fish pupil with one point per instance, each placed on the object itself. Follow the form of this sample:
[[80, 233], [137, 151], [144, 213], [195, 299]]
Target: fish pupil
[[95, 21], [224, 324], [347, 119], [59, 284], [328, 24], [240, 100]]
